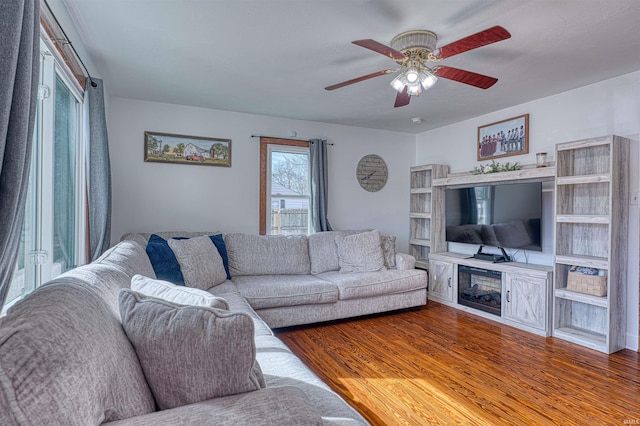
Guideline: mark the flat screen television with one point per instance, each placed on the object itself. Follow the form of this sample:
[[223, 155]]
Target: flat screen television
[[501, 215]]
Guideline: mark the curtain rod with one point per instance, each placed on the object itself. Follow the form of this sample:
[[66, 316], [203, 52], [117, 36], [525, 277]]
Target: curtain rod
[[280, 137], [67, 41]]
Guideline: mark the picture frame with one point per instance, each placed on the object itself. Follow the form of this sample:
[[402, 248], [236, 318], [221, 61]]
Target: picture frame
[[182, 149], [497, 139]]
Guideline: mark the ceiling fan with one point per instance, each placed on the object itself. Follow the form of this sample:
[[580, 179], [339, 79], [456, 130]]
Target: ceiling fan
[[412, 50]]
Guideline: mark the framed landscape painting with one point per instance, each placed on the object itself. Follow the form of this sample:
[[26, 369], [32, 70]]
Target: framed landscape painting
[[181, 149], [504, 138]]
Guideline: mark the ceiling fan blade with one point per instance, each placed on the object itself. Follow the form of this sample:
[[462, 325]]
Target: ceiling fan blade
[[402, 98], [483, 38], [466, 77], [380, 48], [359, 79]]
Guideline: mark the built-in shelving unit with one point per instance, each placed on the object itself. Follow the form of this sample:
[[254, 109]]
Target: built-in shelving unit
[[591, 230], [426, 213]]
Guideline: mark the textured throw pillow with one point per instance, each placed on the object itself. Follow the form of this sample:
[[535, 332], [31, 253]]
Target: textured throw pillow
[[189, 353], [164, 262], [200, 262], [360, 252], [176, 294], [388, 244], [218, 241]]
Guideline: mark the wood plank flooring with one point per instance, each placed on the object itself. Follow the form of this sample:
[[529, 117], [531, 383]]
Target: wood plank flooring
[[442, 366]]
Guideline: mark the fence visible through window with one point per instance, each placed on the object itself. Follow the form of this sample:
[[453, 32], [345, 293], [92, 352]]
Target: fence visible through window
[[289, 221]]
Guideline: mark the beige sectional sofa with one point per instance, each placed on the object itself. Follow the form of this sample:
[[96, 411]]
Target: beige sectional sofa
[[68, 355], [298, 280]]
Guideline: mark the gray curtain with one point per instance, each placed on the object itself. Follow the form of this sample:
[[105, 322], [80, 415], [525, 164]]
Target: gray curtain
[[19, 74], [319, 184], [99, 172]]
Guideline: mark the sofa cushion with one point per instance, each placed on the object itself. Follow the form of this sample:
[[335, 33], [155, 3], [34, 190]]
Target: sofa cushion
[[188, 353], [323, 252], [267, 254], [280, 405], [273, 291], [165, 264], [360, 252], [367, 284], [237, 303], [64, 359], [200, 262], [175, 293]]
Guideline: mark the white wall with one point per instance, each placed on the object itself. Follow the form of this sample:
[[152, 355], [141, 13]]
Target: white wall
[[608, 107], [154, 196]]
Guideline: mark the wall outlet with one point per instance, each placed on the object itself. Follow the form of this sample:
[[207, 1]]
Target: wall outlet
[[634, 198]]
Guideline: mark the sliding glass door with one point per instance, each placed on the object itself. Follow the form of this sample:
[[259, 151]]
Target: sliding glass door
[[53, 232]]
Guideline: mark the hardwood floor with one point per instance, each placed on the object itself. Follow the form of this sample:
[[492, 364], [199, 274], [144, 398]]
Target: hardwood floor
[[442, 366]]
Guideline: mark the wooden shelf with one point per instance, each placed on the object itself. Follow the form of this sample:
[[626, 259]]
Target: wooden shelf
[[588, 299], [420, 215], [420, 191], [528, 173], [583, 179], [585, 143], [582, 337], [597, 219], [420, 242], [588, 261]]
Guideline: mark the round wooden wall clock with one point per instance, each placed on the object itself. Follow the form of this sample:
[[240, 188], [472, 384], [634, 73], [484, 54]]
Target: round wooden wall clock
[[372, 173]]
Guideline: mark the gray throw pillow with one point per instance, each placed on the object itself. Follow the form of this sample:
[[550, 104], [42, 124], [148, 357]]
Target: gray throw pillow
[[200, 262], [176, 293], [360, 252], [388, 244], [190, 353]]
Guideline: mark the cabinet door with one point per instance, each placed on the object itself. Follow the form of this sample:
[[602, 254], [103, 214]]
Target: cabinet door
[[441, 280], [524, 300]]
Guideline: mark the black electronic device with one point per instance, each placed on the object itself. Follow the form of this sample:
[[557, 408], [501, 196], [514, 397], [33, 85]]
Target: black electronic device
[[495, 258]]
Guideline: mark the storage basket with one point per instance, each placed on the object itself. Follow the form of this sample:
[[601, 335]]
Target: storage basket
[[588, 284]]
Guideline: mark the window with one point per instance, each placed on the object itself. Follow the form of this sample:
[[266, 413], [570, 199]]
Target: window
[[53, 232], [284, 187]]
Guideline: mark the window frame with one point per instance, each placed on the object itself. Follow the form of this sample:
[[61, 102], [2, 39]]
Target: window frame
[[266, 146]]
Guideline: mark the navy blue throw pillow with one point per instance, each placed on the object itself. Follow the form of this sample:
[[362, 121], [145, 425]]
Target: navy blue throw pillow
[[164, 262], [218, 241]]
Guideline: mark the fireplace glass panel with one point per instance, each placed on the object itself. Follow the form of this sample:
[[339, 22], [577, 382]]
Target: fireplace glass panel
[[480, 289]]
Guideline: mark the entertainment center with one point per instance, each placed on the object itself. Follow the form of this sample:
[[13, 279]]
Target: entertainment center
[[514, 293], [591, 198]]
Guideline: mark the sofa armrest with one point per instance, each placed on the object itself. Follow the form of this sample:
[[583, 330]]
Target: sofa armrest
[[405, 261]]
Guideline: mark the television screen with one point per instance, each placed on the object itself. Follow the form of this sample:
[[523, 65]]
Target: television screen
[[503, 215]]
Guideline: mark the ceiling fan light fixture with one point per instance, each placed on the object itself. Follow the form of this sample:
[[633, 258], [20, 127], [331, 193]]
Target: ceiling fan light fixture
[[412, 74], [414, 89], [399, 82], [427, 79], [421, 39]]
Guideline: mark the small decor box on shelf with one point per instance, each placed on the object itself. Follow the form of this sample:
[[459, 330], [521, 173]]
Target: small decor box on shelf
[[595, 285]]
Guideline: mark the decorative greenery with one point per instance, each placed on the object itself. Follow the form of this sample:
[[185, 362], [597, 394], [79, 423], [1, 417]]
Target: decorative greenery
[[495, 167]]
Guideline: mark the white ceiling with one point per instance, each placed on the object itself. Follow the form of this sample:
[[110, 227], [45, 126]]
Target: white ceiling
[[274, 57]]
